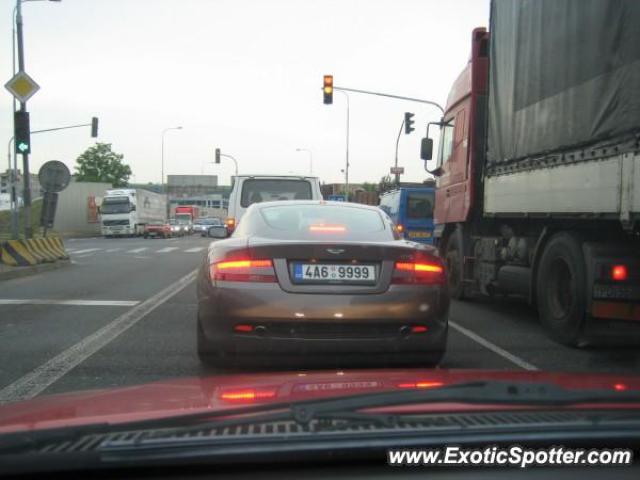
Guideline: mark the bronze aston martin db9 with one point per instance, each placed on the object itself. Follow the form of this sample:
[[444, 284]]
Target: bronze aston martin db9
[[321, 281]]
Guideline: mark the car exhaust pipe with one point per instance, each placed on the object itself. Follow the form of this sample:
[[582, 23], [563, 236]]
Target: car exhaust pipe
[[405, 331], [260, 330]]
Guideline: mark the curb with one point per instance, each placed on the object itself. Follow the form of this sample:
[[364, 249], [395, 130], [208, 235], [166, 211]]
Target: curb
[[9, 273]]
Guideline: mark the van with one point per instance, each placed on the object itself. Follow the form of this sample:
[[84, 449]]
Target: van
[[249, 189], [411, 210]]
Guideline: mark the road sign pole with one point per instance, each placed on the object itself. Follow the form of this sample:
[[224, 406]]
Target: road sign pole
[[26, 194]]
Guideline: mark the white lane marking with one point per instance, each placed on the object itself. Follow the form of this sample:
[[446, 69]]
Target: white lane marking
[[71, 250], [111, 250], [50, 372], [493, 347], [81, 303], [85, 255], [137, 250], [194, 250], [166, 249], [86, 250]]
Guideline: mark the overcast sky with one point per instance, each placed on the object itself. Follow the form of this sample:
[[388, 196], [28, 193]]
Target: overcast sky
[[245, 76]]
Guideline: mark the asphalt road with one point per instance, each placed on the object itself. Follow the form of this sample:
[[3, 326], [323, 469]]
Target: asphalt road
[[124, 313]]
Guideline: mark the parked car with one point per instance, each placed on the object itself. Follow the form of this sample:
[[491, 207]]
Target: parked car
[[250, 189], [320, 280], [157, 229], [202, 225]]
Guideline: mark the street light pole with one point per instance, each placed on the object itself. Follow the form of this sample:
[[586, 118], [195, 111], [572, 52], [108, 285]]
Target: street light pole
[[234, 161], [346, 170], [310, 158], [17, 37], [26, 191]]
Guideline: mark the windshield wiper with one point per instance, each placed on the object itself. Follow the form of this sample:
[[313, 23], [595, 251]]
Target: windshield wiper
[[347, 409]]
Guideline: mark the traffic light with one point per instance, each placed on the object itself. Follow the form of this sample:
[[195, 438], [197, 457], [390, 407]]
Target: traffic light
[[327, 89], [22, 132], [94, 127], [217, 155], [408, 123]]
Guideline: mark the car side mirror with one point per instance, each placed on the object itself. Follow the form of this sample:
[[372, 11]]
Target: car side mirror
[[217, 231], [426, 149]]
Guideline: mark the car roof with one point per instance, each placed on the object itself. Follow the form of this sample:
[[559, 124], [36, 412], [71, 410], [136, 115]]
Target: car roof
[[272, 177], [315, 202]]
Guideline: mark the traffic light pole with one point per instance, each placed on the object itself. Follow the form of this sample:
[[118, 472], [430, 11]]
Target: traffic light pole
[[26, 193], [396, 162], [397, 97]]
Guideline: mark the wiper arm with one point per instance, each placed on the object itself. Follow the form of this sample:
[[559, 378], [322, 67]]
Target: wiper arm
[[483, 392]]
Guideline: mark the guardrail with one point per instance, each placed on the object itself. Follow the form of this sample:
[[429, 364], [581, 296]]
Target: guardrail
[[24, 253]]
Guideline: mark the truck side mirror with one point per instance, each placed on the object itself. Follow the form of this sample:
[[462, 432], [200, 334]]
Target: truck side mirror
[[426, 149]]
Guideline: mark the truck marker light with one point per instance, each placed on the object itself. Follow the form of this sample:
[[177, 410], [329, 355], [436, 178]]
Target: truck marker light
[[422, 384]]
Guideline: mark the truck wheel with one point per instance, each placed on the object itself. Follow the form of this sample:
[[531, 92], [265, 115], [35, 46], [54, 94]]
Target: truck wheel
[[561, 289], [453, 259]]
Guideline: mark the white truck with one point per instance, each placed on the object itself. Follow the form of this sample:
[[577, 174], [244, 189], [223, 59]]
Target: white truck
[[125, 211]]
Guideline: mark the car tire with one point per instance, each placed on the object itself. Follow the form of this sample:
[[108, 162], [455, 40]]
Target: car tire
[[455, 268], [207, 356], [561, 289], [145, 236]]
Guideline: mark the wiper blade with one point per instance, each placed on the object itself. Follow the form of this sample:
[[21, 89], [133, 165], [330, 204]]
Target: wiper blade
[[482, 392], [348, 408]]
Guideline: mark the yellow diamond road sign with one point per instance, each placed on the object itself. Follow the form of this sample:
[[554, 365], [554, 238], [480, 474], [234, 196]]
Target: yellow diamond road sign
[[22, 86]]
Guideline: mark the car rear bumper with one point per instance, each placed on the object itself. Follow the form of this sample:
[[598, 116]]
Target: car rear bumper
[[312, 324]]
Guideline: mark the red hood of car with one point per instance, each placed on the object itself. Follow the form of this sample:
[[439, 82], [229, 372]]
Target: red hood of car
[[217, 392]]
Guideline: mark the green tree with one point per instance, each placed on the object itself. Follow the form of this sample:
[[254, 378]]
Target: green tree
[[101, 164], [369, 187]]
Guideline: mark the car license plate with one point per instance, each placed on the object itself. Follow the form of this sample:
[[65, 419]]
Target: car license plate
[[419, 234], [331, 273]]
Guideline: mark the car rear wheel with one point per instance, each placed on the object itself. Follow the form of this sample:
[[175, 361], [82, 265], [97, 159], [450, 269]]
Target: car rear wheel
[[206, 355], [561, 289]]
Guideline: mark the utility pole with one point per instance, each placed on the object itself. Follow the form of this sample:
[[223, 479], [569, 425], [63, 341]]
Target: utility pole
[[26, 194]]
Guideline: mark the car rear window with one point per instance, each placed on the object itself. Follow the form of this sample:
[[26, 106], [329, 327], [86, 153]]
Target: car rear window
[[324, 221], [420, 205], [269, 190]]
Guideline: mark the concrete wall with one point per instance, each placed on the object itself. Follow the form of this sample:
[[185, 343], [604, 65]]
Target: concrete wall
[[77, 209]]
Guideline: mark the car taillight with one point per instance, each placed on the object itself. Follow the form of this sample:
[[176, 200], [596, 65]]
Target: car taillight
[[230, 223], [243, 271], [400, 228], [619, 273], [247, 395], [422, 273]]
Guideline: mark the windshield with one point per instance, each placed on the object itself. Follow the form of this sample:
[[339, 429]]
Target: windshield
[[222, 204], [115, 205], [256, 191], [420, 205]]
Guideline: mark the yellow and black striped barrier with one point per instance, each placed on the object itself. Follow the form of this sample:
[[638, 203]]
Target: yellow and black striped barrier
[[22, 253]]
